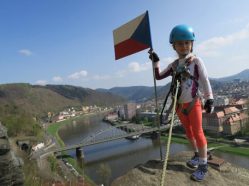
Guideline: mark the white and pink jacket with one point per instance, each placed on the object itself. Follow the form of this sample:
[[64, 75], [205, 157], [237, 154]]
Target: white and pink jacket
[[189, 86]]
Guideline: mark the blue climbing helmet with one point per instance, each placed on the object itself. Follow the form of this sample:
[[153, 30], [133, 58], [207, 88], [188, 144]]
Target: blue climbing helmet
[[182, 33]]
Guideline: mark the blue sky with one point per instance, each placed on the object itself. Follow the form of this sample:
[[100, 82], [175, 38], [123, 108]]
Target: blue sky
[[71, 42]]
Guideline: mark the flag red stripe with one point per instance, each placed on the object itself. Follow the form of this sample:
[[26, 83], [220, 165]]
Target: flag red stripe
[[128, 47]]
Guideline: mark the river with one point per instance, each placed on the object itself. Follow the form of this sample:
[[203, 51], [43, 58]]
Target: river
[[121, 155]]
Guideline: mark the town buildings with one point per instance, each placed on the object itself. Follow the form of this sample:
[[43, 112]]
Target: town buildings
[[227, 119]]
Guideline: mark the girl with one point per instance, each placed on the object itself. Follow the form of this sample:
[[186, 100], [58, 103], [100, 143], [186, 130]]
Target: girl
[[192, 74]]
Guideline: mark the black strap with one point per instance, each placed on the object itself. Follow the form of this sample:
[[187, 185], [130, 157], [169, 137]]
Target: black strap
[[187, 110], [164, 104], [176, 77]]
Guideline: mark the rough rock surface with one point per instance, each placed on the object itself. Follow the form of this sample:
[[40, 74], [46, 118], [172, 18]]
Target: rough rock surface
[[178, 173], [10, 166]]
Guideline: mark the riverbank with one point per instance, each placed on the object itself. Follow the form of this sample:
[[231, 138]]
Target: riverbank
[[120, 156], [219, 146], [53, 129]]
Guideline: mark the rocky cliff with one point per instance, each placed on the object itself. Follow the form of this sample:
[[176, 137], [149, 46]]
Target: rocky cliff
[[10, 166], [178, 173]]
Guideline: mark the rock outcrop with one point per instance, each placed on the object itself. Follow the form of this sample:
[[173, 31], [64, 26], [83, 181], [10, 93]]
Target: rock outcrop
[[178, 173], [10, 166]]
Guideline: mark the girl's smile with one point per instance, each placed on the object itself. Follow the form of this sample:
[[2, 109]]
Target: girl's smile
[[183, 48]]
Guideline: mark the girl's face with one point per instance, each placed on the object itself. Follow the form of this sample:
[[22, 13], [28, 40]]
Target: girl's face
[[183, 48]]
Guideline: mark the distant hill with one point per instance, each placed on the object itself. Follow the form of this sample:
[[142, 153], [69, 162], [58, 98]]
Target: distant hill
[[143, 93], [133, 93], [86, 96], [244, 75], [138, 93], [38, 100]]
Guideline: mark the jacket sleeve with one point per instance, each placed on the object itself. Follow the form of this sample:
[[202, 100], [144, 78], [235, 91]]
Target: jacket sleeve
[[163, 74], [203, 80]]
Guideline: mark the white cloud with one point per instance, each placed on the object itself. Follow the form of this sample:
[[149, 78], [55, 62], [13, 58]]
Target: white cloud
[[41, 82], [133, 67], [57, 79], [78, 75], [136, 67], [25, 52], [210, 48]]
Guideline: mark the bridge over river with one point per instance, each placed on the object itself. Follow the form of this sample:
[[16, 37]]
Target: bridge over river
[[92, 140]]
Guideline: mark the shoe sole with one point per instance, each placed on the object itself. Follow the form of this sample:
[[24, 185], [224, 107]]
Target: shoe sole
[[195, 179], [198, 180], [191, 166]]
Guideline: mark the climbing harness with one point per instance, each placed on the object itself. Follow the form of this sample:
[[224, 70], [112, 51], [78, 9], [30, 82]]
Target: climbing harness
[[178, 74]]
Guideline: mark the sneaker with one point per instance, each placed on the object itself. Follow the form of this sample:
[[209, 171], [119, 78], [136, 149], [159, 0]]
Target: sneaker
[[194, 162], [200, 172]]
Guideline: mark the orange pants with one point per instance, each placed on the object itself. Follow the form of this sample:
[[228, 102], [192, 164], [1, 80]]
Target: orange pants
[[193, 123]]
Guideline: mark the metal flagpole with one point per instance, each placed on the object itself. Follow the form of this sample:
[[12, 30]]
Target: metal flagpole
[[157, 110], [155, 90]]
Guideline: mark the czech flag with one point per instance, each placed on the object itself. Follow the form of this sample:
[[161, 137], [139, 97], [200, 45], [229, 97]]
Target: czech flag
[[132, 37]]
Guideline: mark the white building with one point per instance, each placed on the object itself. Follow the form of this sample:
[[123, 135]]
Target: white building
[[221, 101], [130, 110]]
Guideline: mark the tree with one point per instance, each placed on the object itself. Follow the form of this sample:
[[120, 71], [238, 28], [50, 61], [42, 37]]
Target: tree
[[53, 163], [145, 120]]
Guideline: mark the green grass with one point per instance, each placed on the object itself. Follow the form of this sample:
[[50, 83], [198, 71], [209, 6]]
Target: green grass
[[242, 151], [148, 123], [180, 140], [53, 129], [175, 139]]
